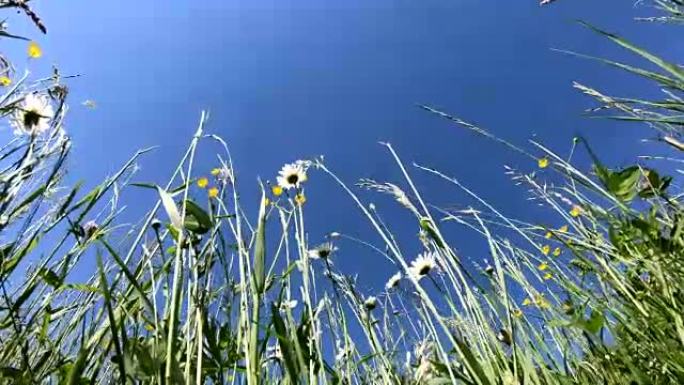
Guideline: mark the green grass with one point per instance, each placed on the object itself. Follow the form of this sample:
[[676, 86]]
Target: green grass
[[200, 291]]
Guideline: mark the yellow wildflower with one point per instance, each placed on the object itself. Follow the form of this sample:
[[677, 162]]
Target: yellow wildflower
[[547, 276], [576, 211], [213, 192], [34, 50], [563, 229], [543, 162], [202, 182], [546, 249], [300, 199], [5, 81], [215, 171], [541, 302], [543, 266], [277, 190], [517, 313], [267, 201], [548, 235], [526, 302], [567, 307], [556, 251]]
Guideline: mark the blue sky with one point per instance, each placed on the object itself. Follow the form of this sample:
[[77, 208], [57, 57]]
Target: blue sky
[[286, 80]]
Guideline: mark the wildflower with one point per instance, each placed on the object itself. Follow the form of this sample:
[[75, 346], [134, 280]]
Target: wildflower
[[322, 251], [575, 211], [504, 336], [541, 302], [202, 182], [213, 192], [543, 162], [548, 235], [273, 352], [556, 251], [277, 190], [5, 81], [156, 224], [267, 201], [89, 229], [300, 199], [563, 229], [422, 266], [546, 249], [517, 313], [34, 50], [567, 307], [547, 276], [370, 303], [292, 175], [33, 114], [543, 266], [222, 174], [288, 305], [526, 302], [393, 281]]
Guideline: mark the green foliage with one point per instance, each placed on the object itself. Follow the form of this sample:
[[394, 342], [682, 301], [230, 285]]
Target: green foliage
[[208, 297]]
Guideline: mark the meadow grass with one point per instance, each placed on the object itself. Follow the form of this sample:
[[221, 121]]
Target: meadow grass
[[200, 291]]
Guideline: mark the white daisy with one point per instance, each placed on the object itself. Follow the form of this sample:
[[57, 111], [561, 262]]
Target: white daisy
[[422, 266], [322, 251], [273, 352], [370, 303], [292, 175], [393, 281], [288, 305], [32, 115]]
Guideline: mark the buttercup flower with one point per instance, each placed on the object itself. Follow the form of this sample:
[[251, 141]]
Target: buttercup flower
[[543, 266], [34, 50], [292, 175], [32, 115], [548, 235], [422, 266], [543, 162], [556, 251], [546, 249], [277, 190], [5, 81], [202, 182], [300, 199], [213, 192], [563, 229], [393, 281], [575, 211], [547, 276]]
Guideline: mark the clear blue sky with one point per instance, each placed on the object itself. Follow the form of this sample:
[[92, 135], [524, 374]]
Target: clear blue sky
[[293, 79]]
